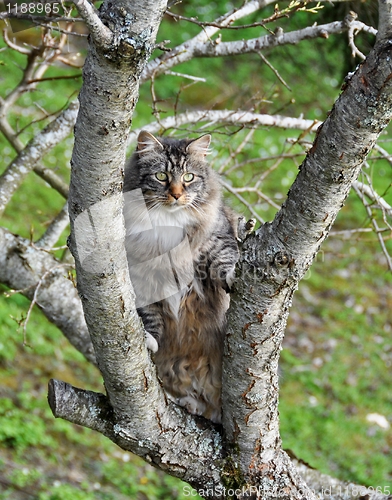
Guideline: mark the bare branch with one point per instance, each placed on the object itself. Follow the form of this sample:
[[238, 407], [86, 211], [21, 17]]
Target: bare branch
[[34, 299], [242, 200], [189, 77], [239, 148], [277, 39], [29, 157], [101, 33], [55, 230], [348, 233], [360, 189], [371, 193], [275, 71], [278, 14], [384, 153], [14, 46], [21, 268], [352, 31], [54, 181], [186, 50], [157, 442], [211, 117]]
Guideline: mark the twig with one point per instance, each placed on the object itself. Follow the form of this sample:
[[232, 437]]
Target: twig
[[242, 200], [54, 230], [15, 46], [101, 33], [233, 155], [52, 78], [377, 229], [352, 32], [278, 14], [29, 157], [384, 153], [375, 197], [347, 233], [35, 297], [247, 118], [183, 75], [275, 71], [155, 110]]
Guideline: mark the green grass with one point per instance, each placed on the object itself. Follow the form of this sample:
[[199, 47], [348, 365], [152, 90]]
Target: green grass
[[336, 368], [337, 359]]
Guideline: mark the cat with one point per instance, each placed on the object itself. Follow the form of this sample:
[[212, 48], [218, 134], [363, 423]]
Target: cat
[[181, 246]]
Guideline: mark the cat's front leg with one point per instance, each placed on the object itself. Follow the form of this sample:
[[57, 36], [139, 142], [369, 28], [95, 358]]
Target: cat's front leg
[[153, 324], [222, 268], [230, 277], [151, 342]]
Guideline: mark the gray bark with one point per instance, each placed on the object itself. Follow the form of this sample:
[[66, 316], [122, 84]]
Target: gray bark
[[30, 156], [279, 254], [25, 267]]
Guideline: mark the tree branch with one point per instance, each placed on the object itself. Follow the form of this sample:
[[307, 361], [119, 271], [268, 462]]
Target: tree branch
[[278, 39], [29, 157], [101, 33], [360, 193], [107, 100], [212, 117], [203, 46], [22, 266], [278, 255], [185, 51], [54, 230], [160, 443]]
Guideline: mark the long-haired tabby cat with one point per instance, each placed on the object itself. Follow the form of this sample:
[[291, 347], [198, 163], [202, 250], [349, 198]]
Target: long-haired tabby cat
[[182, 249]]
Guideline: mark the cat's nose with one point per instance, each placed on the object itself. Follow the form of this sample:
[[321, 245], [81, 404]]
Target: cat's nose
[[176, 195]]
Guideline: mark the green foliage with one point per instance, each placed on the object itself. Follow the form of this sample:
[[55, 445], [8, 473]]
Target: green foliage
[[336, 369]]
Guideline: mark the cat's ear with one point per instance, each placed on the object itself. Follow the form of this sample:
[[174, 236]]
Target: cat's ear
[[147, 142], [200, 145]]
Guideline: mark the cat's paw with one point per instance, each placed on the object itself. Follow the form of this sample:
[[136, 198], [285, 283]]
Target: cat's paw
[[193, 405], [245, 227], [230, 277], [151, 343]]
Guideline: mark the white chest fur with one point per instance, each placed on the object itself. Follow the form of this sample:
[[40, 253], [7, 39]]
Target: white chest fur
[[159, 256]]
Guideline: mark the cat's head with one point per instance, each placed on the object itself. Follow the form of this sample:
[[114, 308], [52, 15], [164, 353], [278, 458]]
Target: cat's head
[[173, 173]]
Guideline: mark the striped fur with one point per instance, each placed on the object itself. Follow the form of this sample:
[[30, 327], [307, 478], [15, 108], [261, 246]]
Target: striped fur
[[193, 231]]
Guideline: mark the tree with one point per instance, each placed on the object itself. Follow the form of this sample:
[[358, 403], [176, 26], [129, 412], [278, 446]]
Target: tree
[[246, 459]]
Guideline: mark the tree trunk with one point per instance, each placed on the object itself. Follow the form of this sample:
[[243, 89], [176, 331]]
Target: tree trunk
[[276, 258]]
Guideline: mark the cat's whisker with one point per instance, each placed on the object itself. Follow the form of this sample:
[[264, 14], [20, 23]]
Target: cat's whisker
[[197, 206], [198, 210]]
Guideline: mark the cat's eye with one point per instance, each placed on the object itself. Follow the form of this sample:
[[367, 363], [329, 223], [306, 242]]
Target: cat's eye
[[188, 177], [161, 176]]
